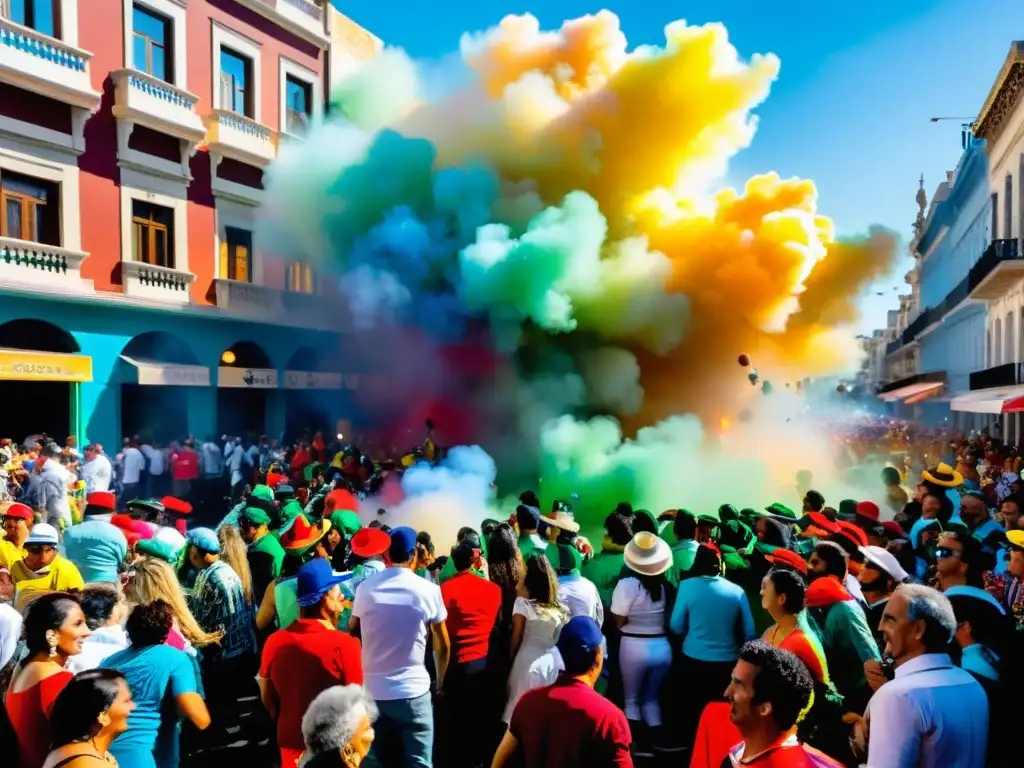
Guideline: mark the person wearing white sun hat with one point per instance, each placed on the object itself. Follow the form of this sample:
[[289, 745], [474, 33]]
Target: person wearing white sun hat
[[640, 607]]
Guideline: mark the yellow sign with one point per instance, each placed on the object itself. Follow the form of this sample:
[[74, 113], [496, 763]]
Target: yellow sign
[[25, 365]]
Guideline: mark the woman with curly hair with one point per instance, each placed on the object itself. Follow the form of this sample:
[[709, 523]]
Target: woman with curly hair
[[158, 676]]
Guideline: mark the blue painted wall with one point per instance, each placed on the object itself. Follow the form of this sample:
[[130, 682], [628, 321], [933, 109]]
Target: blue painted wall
[[962, 221], [102, 331]]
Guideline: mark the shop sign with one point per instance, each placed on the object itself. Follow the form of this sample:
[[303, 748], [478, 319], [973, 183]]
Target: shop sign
[[311, 380], [247, 378], [25, 365], [174, 376]]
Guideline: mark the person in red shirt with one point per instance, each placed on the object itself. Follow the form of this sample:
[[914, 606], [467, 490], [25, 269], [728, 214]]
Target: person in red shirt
[[567, 724], [308, 657], [769, 689], [469, 686], [184, 469]]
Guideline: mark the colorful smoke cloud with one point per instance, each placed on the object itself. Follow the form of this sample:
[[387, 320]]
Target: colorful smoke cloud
[[564, 197]]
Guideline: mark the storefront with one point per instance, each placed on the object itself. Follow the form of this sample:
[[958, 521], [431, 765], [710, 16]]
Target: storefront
[[102, 371]]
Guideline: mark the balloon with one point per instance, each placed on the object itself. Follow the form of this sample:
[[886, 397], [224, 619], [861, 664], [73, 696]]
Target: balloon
[[753, 377], [766, 387], [745, 415], [841, 388], [787, 385], [743, 360]]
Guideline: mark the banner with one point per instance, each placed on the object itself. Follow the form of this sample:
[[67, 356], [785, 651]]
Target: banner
[[247, 378], [27, 365], [311, 380]]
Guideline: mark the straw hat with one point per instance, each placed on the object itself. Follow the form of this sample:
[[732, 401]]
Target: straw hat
[[648, 555], [944, 476], [562, 520]]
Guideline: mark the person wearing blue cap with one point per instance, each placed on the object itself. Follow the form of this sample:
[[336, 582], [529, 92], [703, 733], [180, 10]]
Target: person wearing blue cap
[[308, 657], [218, 603], [568, 724], [528, 521], [391, 612]]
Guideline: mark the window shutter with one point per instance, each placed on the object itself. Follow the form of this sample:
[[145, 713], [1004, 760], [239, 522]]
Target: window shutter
[[227, 92], [225, 270]]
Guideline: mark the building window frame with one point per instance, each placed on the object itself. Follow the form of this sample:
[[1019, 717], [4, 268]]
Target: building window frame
[[239, 45], [32, 207], [148, 232], [232, 251], [159, 191], [174, 12], [290, 69], [31, 11], [994, 203], [299, 277], [53, 167]]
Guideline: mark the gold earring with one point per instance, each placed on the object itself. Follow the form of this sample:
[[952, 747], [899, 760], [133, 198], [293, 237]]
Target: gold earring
[[51, 640]]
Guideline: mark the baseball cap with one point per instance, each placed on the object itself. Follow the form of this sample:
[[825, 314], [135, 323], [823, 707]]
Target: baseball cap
[[885, 561], [788, 559], [1016, 538], [44, 534], [315, 579], [403, 539], [579, 640], [19, 511], [527, 517]]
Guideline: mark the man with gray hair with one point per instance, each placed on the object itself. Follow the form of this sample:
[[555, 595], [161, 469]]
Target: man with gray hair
[[931, 713], [338, 725]]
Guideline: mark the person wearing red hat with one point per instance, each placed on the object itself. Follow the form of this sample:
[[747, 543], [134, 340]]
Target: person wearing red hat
[[95, 545], [786, 558], [18, 520]]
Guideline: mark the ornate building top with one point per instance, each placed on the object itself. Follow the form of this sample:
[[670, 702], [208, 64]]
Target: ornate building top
[[1004, 96], [922, 203]]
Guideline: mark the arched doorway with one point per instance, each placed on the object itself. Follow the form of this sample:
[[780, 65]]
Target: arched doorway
[[312, 392], [156, 369], [245, 378], [34, 400]]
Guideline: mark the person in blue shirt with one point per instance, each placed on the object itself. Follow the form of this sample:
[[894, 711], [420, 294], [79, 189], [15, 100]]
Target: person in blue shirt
[[713, 618], [163, 684], [96, 546]]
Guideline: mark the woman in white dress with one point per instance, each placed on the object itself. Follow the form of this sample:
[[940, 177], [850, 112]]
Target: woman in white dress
[[537, 618]]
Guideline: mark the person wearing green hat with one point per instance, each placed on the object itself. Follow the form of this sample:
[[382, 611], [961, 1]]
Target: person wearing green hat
[[685, 528], [575, 592], [448, 570], [605, 568], [156, 548], [344, 525], [264, 552], [261, 492]]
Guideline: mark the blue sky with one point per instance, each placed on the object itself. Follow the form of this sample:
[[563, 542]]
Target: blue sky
[[851, 108]]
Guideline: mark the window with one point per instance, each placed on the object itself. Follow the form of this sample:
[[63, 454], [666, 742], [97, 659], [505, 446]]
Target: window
[[31, 209], [298, 278], [1008, 208], [152, 234], [235, 259], [152, 42], [236, 83], [995, 216], [298, 105], [40, 15]]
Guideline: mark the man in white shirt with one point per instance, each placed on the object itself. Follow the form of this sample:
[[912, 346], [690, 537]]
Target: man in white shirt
[[391, 612], [51, 488], [211, 461], [154, 479], [239, 463], [932, 714], [96, 471], [133, 466]]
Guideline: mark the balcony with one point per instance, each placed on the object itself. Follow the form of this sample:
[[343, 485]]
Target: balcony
[[1005, 375], [41, 266], [998, 270], [259, 302], [304, 18], [239, 138], [148, 281], [141, 99], [42, 64]]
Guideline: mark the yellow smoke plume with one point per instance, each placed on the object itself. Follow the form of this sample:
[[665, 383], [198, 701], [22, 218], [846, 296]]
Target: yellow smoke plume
[[647, 133]]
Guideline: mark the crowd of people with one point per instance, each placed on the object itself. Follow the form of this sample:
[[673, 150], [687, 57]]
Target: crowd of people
[[840, 633]]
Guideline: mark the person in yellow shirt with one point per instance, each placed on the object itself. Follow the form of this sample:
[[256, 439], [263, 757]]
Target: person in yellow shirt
[[17, 520], [42, 570]]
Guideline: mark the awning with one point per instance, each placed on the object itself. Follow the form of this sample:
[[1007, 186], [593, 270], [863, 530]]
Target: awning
[[912, 390], [152, 373], [247, 378], [311, 380], [994, 400], [28, 365]]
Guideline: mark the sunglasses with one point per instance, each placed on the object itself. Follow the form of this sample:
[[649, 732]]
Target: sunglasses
[[944, 553]]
